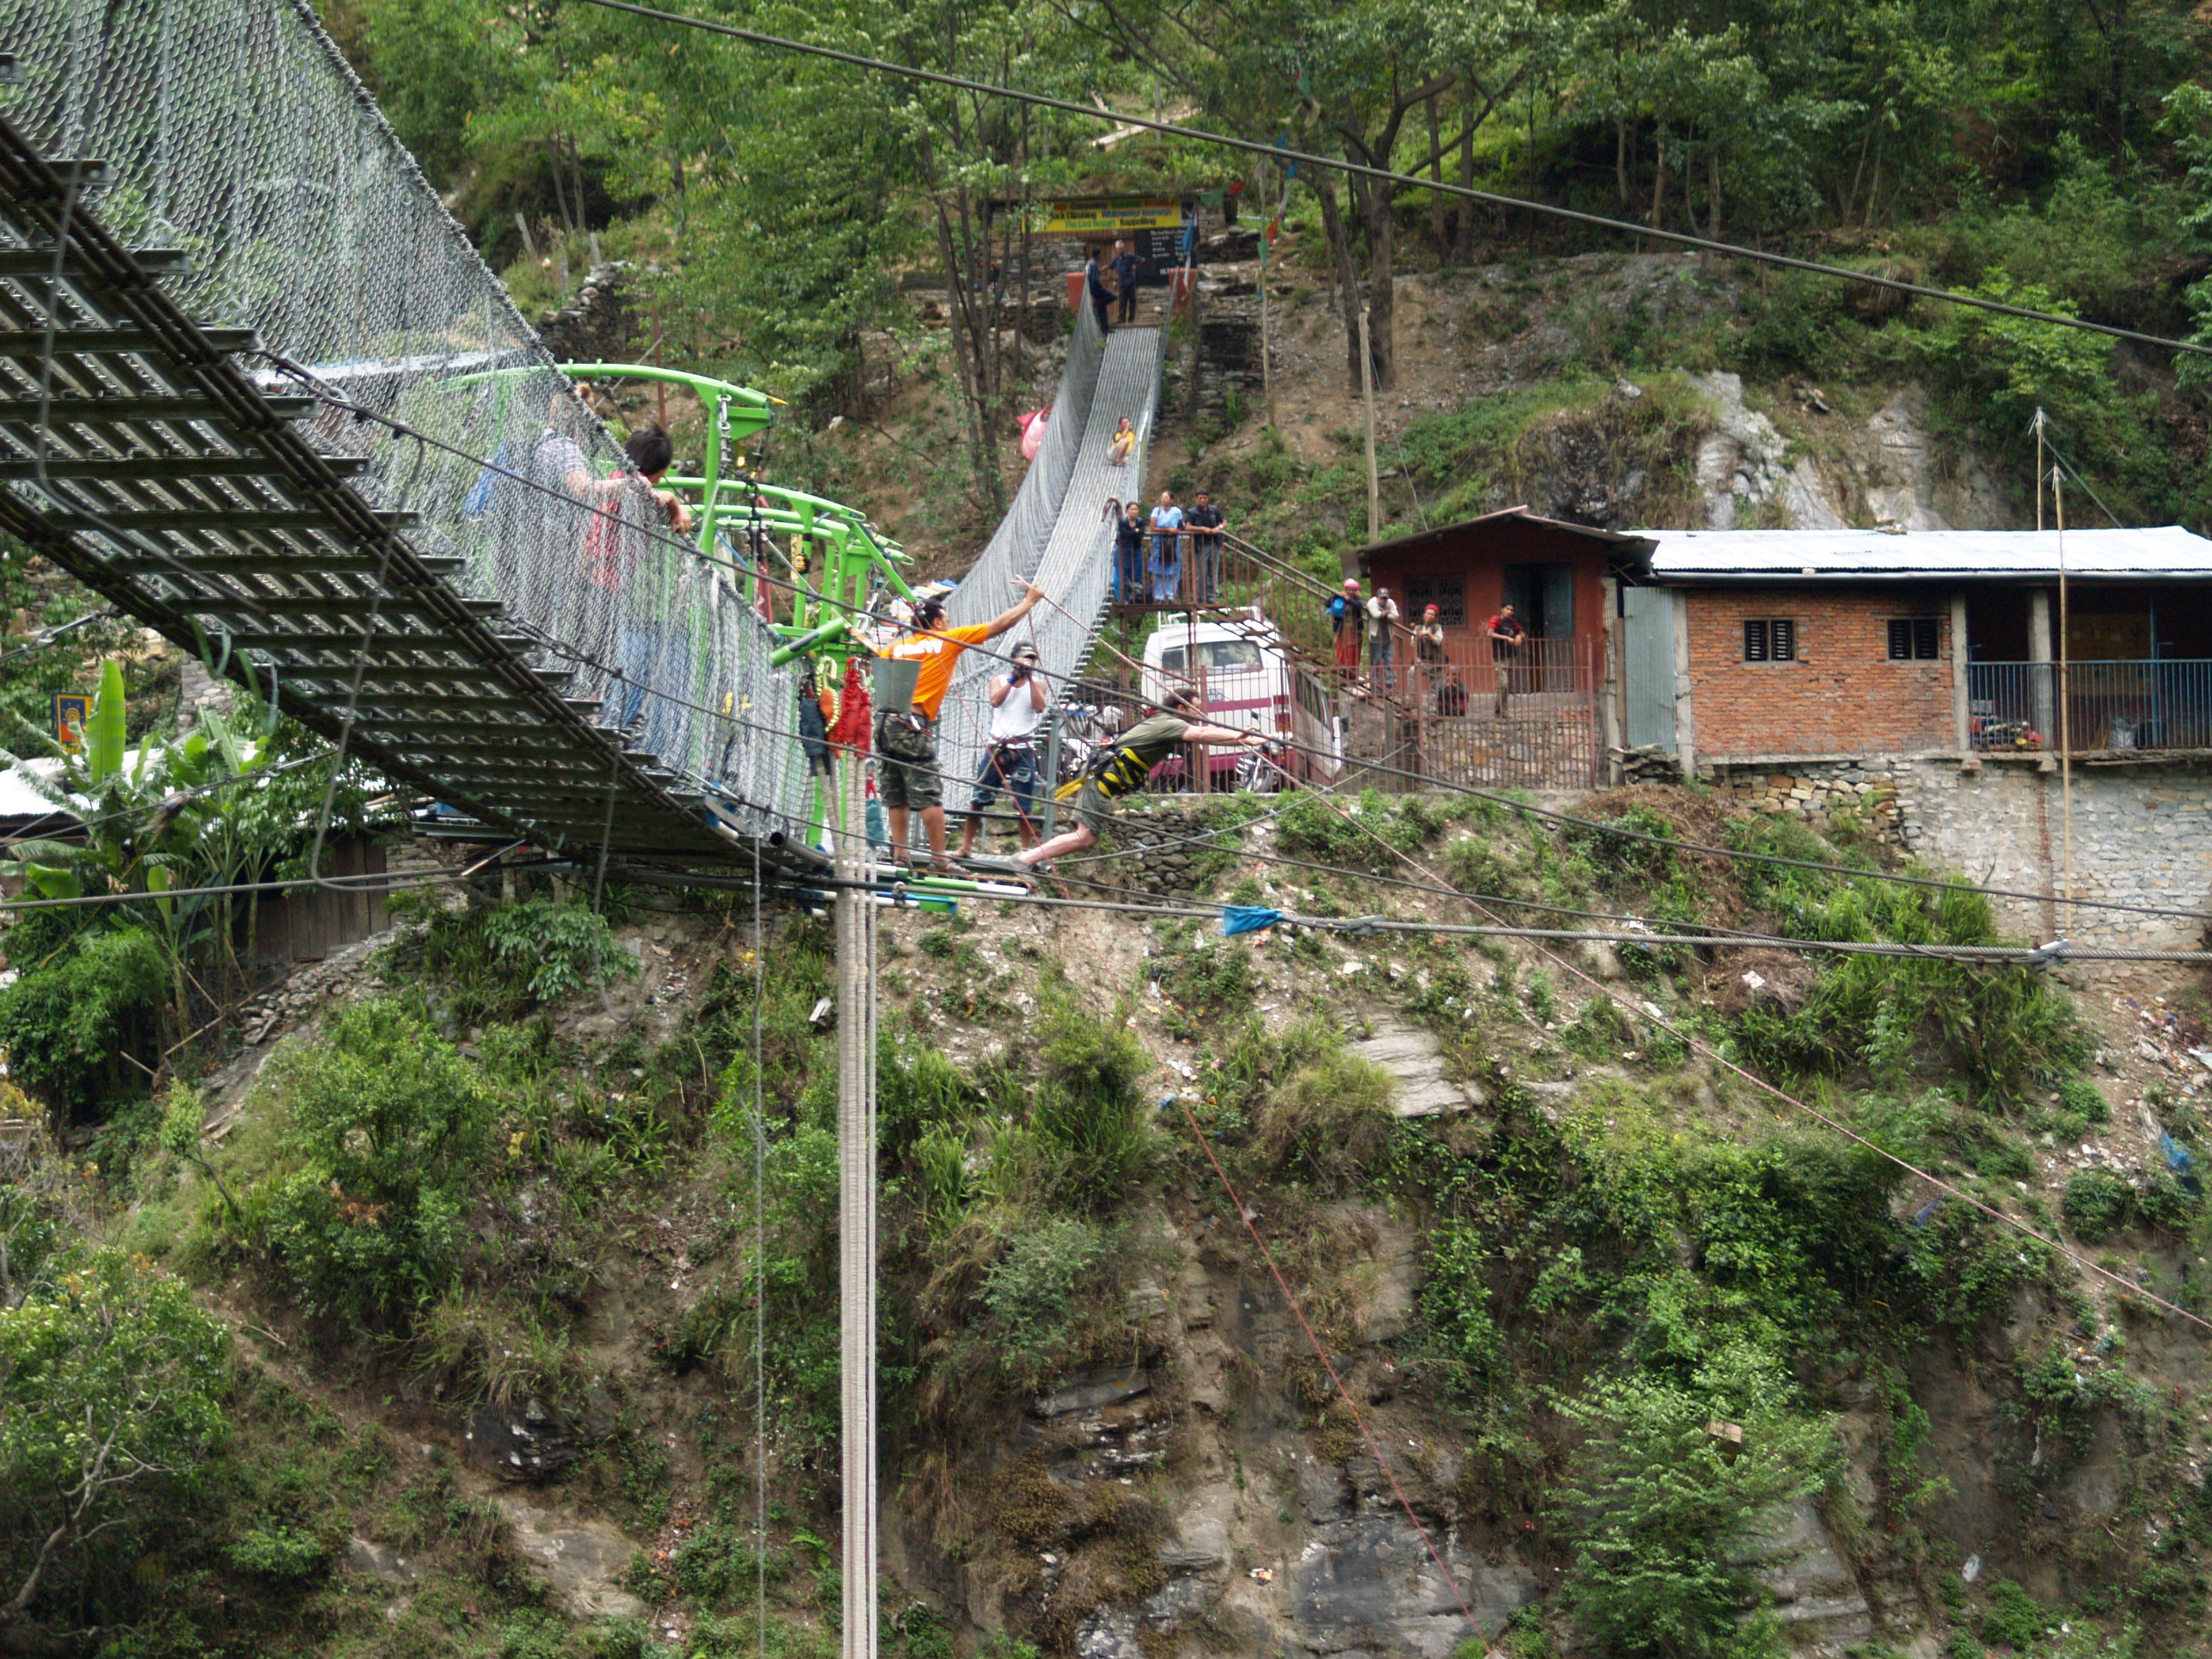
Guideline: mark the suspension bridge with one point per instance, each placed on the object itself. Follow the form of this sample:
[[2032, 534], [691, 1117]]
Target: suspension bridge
[[258, 389]]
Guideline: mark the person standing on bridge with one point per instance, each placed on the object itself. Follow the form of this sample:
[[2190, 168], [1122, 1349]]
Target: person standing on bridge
[[629, 584], [1128, 550], [1123, 767], [1204, 523], [906, 741], [1125, 281], [1167, 549], [1101, 297], [1346, 620], [1010, 763]]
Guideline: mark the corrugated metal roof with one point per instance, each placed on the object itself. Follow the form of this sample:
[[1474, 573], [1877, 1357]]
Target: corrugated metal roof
[[19, 801], [2168, 550]]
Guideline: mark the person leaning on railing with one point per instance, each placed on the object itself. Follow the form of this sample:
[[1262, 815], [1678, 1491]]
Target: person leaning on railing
[[1205, 523], [906, 739]]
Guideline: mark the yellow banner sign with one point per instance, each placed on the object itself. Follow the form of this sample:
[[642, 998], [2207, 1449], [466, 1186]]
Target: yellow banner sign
[[1095, 215]]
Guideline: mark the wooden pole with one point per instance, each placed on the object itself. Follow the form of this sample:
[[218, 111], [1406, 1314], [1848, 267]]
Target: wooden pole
[[1367, 396], [2065, 699]]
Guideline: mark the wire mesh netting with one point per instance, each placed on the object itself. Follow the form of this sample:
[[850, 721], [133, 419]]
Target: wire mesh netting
[[1059, 532], [234, 130]]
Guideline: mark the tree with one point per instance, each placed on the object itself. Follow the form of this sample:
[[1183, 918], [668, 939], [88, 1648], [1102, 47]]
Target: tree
[[111, 1381], [1662, 1511]]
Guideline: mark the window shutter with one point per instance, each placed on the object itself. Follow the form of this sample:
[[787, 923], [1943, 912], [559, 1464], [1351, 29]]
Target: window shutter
[[1781, 632], [1900, 639], [1927, 636], [1755, 640]]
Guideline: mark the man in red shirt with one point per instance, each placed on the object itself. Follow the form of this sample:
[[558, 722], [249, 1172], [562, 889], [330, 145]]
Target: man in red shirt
[[906, 742], [1506, 636]]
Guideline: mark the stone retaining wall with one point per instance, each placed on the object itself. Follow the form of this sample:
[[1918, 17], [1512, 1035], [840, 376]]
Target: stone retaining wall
[[1152, 851], [2141, 832]]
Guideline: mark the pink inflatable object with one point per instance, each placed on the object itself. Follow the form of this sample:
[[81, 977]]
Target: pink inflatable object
[[1033, 425]]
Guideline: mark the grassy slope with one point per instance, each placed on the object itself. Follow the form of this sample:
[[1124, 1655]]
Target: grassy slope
[[1618, 1210]]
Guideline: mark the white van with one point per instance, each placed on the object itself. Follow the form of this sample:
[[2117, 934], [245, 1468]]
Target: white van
[[1249, 685]]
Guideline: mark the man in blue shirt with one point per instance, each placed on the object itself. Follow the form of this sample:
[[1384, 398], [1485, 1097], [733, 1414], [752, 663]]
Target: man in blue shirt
[[1167, 549], [1125, 281]]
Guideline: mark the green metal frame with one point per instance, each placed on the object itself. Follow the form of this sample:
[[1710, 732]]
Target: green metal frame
[[823, 612]]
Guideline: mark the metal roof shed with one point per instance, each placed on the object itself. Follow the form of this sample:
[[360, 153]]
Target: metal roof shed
[[2164, 554]]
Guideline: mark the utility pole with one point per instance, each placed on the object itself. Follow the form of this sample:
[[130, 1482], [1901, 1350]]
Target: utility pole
[[856, 1207], [1367, 393], [2065, 690]]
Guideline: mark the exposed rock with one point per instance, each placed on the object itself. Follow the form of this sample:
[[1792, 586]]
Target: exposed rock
[[1203, 1545], [1184, 1598], [1745, 465], [529, 1443], [1108, 1633], [582, 1561], [1087, 1391], [380, 1562], [1813, 1590], [596, 326], [1418, 1064], [1368, 1583]]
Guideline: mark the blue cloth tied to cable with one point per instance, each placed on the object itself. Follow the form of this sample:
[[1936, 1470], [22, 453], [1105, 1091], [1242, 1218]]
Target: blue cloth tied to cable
[[1248, 919], [2184, 1166]]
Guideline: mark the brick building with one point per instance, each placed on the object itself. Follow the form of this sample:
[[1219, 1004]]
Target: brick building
[[1748, 648]]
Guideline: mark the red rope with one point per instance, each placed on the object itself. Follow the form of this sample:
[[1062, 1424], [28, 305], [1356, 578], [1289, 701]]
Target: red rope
[[1321, 1353]]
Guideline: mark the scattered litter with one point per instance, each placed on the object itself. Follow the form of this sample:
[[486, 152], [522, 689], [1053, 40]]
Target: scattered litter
[[1262, 1575], [1348, 968], [819, 1019], [1973, 1570], [1754, 978]]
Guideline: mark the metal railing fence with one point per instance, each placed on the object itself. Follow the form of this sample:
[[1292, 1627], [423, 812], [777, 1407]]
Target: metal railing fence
[[2111, 705]]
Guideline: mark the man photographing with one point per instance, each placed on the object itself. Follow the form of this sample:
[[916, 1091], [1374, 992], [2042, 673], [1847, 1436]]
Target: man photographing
[[1010, 761]]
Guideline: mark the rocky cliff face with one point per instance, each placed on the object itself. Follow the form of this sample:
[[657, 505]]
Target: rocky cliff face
[[1882, 470]]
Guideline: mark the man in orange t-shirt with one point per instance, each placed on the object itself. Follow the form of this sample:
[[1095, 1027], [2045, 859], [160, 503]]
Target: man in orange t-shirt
[[906, 744]]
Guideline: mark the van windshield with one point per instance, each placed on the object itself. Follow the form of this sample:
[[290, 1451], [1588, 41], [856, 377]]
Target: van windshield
[[1214, 656]]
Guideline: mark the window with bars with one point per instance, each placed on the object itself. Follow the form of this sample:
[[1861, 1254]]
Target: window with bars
[[1769, 639], [1447, 593], [1915, 639]]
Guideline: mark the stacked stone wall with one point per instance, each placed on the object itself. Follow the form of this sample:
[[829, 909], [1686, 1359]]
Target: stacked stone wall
[[2141, 833]]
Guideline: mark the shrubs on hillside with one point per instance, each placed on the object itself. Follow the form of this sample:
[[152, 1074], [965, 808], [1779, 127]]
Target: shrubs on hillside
[[384, 1122]]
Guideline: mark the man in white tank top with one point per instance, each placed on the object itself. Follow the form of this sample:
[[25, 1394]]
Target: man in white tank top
[[1010, 763]]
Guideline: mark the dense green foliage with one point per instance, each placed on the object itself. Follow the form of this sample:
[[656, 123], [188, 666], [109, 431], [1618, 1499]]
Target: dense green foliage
[[1658, 1505], [112, 1384], [383, 1122], [106, 992]]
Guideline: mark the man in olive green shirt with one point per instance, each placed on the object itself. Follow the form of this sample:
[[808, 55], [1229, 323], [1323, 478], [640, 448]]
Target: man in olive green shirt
[[1124, 768]]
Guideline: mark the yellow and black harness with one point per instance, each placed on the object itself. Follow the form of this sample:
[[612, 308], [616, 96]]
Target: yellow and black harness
[[1115, 771]]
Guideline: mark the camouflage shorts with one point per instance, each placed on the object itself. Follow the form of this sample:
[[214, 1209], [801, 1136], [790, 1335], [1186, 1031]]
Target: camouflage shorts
[[908, 773]]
